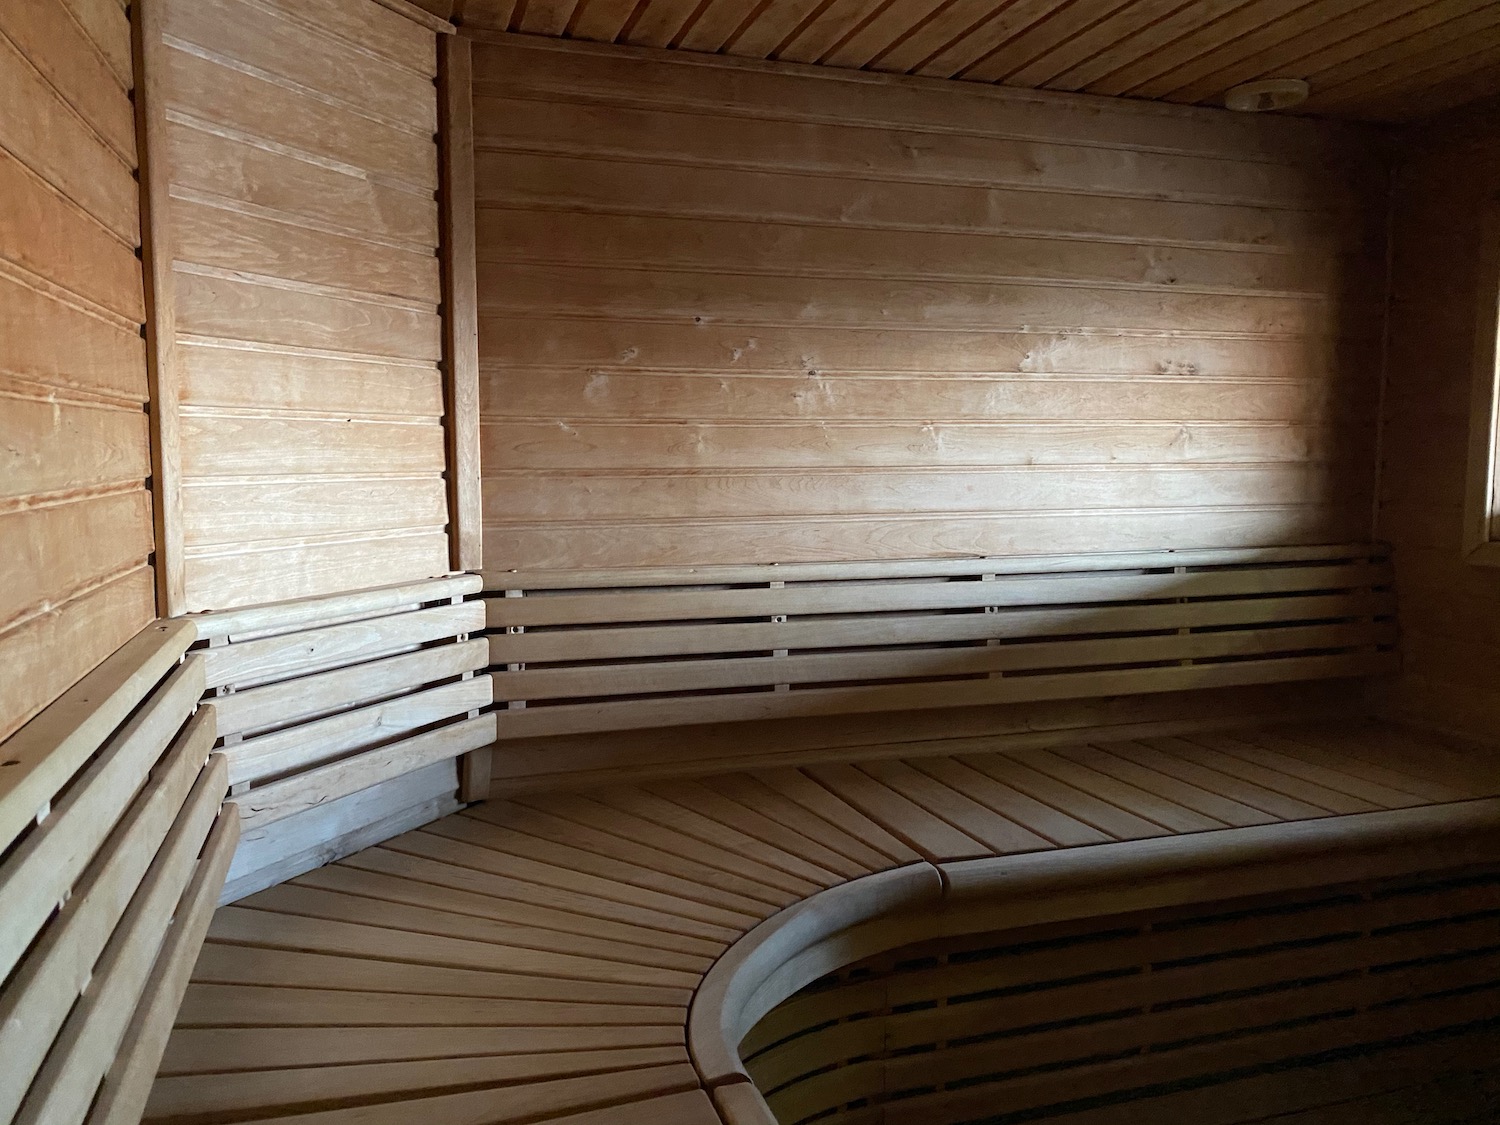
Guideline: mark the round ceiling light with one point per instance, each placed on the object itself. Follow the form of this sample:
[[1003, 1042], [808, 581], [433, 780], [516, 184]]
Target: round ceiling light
[[1267, 94]]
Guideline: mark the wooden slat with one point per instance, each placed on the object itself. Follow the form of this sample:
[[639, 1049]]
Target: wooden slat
[[314, 744], [310, 789], [123, 1093], [51, 748], [309, 612], [638, 713], [48, 861], [314, 650], [1057, 589], [86, 1045], [59, 965], [321, 693]]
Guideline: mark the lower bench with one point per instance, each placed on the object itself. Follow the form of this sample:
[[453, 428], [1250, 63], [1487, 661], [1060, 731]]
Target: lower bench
[[606, 956]]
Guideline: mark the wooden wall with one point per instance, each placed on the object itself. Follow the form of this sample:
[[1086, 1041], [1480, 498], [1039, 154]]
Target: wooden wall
[[76, 576], [746, 313], [1450, 609], [303, 233]]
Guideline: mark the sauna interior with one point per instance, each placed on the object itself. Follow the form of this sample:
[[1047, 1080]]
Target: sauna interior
[[749, 562]]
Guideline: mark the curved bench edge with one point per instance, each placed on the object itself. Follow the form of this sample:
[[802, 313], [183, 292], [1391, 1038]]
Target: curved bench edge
[[864, 916], [733, 993]]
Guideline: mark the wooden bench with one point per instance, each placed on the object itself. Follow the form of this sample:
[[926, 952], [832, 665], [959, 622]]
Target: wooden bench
[[598, 957], [114, 850]]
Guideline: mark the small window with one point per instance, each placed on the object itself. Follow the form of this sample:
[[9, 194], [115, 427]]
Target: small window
[[1482, 506]]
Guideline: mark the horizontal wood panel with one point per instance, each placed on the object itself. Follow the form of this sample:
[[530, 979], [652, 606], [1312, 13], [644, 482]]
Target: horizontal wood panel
[[238, 170], [303, 230], [75, 502], [232, 511], [44, 233], [218, 373], [687, 544], [246, 444], [788, 493], [569, 394], [790, 444], [537, 182], [229, 239], [730, 298], [707, 347], [225, 575], [305, 53], [714, 138], [666, 242], [68, 448], [208, 84], [671, 240]]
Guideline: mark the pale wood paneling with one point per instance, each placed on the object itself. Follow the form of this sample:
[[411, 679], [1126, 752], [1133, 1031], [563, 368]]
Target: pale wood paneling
[[1450, 611], [741, 314], [302, 233], [75, 511], [1396, 60]]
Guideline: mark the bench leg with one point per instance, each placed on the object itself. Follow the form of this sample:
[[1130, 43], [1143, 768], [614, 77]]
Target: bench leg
[[474, 775]]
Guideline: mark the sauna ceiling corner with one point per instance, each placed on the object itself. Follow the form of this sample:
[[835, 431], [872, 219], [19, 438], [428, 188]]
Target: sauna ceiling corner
[[1371, 60]]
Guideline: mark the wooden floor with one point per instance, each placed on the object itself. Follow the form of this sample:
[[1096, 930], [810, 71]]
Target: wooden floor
[[533, 959]]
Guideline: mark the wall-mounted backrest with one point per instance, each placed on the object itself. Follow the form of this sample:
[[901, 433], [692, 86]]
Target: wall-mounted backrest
[[114, 850], [622, 650], [340, 717]]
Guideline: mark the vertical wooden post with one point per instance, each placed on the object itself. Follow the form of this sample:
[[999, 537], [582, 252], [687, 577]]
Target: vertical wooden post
[[460, 301], [161, 301]]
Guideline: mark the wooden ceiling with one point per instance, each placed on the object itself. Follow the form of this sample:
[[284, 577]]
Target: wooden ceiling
[[1382, 60]]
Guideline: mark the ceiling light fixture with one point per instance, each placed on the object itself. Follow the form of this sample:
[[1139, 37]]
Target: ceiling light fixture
[[1266, 94]]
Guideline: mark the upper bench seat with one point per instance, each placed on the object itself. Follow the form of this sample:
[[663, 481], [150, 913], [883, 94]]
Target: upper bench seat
[[595, 958]]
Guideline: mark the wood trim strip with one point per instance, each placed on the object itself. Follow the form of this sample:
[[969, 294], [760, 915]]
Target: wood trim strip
[[419, 15], [318, 610], [460, 302], [161, 303], [497, 580]]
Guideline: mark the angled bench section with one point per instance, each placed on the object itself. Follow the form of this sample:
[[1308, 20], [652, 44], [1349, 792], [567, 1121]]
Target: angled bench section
[[341, 718], [114, 850]]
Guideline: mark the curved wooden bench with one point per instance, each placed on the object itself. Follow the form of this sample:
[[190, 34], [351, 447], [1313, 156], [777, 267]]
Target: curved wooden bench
[[595, 958]]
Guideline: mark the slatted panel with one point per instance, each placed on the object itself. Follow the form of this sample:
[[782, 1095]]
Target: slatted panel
[[735, 315], [303, 236], [341, 717], [102, 888], [532, 959], [987, 631], [1394, 61], [1080, 1022], [76, 577]]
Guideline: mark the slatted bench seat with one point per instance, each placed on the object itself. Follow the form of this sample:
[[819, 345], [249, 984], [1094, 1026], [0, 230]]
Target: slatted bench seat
[[597, 957]]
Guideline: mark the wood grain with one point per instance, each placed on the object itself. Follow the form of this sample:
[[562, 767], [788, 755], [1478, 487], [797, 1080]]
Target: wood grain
[[303, 241], [732, 313]]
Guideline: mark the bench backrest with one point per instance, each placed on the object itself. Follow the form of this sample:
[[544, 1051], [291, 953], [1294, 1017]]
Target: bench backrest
[[113, 849], [620, 651]]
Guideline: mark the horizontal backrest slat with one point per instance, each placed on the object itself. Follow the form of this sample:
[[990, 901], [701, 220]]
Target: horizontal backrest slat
[[42, 757], [971, 632], [891, 597]]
